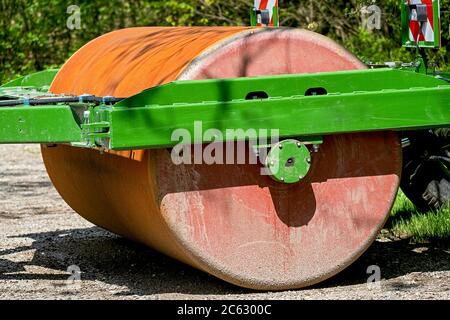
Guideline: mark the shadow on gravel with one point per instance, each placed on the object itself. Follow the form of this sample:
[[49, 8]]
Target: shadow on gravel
[[142, 271], [113, 260], [395, 259]]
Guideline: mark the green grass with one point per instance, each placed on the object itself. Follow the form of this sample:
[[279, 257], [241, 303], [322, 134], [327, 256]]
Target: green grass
[[406, 221]]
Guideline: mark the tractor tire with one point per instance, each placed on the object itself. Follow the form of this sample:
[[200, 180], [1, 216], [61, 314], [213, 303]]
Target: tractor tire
[[425, 178]]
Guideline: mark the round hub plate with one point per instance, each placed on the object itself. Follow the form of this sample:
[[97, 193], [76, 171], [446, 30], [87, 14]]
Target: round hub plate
[[288, 161]]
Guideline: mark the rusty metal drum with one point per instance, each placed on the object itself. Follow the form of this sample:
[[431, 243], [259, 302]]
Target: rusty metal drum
[[227, 220]]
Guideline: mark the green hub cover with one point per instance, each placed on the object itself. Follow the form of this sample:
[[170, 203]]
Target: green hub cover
[[288, 161]]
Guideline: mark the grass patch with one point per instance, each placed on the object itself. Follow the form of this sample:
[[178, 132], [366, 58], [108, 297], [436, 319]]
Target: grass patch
[[406, 221], [402, 207]]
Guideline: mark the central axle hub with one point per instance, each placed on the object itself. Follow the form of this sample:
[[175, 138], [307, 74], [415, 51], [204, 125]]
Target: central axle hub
[[288, 161]]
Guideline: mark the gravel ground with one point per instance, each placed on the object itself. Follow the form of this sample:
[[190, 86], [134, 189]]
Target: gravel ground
[[41, 237]]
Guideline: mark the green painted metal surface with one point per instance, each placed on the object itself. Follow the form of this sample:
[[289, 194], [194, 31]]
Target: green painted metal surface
[[223, 90], [288, 161], [299, 106], [253, 17], [31, 86], [37, 80], [43, 124], [355, 101]]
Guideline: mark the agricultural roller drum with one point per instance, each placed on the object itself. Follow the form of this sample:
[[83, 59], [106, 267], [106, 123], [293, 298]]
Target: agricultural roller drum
[[106, 129]]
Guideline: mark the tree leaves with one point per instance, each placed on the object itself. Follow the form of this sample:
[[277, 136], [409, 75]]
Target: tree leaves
[[34, 33]]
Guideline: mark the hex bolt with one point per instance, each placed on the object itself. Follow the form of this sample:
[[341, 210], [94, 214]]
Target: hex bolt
[[299, 144], [280, 146], [308, 160], [272, 163], [406, 142]]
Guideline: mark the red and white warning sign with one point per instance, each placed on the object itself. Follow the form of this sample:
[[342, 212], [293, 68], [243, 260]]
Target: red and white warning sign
[[269, 5], [422, 24]]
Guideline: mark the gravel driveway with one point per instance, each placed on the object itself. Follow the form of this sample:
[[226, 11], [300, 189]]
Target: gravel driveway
[[41, 237]]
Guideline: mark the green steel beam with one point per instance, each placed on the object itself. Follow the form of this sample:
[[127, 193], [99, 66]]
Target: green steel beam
[[43, 124], [356, 101], [303, 106], [38, 79], [39, 124], [405, 109], [224, 90], [29, 86]]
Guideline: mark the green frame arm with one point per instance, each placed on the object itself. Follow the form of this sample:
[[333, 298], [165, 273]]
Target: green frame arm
[[306, 105]]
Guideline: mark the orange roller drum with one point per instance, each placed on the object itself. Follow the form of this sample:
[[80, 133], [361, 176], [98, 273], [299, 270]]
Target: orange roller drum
[[228, 220]]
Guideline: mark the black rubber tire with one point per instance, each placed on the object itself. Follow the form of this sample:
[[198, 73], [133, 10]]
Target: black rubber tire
[[425, 185], [424, 179]]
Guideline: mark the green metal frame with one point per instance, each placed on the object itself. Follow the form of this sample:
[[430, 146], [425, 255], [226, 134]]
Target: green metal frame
[[38, 124], [356, 101], [41, 79], [365, 100]]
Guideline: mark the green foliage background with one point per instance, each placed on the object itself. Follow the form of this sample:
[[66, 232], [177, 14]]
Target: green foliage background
[[34, 35]]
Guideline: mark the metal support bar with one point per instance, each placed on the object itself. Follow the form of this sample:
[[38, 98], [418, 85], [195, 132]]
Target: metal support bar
[[296, 116], [301, 106], [53, 100], [43, 124], [41, 79]]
